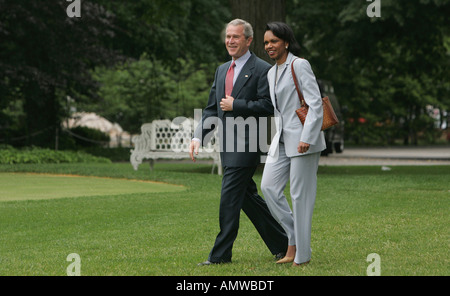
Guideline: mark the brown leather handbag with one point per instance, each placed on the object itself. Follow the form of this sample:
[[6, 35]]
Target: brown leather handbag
[[329, 117]]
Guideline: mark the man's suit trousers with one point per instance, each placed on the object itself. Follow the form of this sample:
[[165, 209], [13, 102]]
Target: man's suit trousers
[[239, 191]]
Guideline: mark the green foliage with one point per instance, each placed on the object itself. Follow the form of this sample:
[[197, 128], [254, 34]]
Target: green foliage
[[10, 155], [193, 86], [88, 137], [386, 70], [137, 92], [116, 154], [169, 30], [11, 108], [133, 91], [46, 56]]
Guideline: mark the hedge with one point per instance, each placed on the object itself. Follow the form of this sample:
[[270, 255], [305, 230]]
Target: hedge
[[10, 155]]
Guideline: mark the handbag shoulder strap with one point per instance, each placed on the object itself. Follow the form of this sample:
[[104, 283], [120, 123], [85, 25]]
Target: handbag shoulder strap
[[300, 95]]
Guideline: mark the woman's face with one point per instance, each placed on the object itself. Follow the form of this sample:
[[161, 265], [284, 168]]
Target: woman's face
[[275, 47]]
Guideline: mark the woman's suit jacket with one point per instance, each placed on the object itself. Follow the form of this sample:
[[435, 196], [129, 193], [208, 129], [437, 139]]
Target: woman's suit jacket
[[285, 101]]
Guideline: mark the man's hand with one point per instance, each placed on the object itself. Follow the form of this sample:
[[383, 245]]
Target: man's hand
[[193, 148], [302, 147], [227, 103]]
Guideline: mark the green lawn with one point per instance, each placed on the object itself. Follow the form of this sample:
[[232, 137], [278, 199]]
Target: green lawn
[[401, 214], [48, 186]]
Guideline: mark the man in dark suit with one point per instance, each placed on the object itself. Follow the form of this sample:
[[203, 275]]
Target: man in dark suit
[[240, 93]]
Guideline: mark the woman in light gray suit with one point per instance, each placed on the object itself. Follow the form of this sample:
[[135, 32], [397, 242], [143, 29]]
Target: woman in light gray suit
[[295, 149]]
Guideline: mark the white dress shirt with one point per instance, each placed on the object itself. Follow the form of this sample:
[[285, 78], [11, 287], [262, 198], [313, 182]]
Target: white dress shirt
[[240, 62]]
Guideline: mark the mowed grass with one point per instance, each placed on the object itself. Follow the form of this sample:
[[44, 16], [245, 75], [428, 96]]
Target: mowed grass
[[401, 214], [26, 186]]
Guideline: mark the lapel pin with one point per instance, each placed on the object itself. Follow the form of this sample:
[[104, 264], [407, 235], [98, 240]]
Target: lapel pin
[[246, 76]]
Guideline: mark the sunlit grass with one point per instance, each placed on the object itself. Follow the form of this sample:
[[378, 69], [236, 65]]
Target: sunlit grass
[[29, 186], [401, 214]]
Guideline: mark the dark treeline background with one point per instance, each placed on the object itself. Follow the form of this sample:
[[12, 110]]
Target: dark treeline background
[[135, 61]]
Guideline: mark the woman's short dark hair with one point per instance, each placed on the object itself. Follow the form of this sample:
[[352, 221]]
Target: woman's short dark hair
[[284, 32]]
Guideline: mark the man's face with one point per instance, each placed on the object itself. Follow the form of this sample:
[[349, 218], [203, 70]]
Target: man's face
[[235, 41]]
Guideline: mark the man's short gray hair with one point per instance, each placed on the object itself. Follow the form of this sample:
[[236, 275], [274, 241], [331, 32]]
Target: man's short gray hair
[[248, 30]]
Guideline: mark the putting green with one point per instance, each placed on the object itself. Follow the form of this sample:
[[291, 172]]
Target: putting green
[[29, 186]]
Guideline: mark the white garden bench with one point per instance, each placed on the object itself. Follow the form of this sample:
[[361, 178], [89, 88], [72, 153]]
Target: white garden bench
[[165, 139]]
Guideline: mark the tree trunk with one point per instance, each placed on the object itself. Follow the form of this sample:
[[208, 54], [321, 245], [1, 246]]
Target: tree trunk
[[258, 13]]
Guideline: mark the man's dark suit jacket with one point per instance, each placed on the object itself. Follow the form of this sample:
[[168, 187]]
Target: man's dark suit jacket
[[252, 100]]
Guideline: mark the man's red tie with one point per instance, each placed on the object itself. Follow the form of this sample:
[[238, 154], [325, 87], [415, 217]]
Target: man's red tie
[[229, 80]]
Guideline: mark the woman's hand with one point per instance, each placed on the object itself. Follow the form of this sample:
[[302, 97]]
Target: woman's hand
[[302, 147]]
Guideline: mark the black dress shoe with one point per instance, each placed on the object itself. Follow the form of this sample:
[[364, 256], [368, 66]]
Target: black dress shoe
[[207, 262], [279, 256]]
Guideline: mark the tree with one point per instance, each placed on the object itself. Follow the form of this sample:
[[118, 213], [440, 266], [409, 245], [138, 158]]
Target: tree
[[387, 69], [258, 13], [182, 43], [44, 56], [169, 29], [136, 92]]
